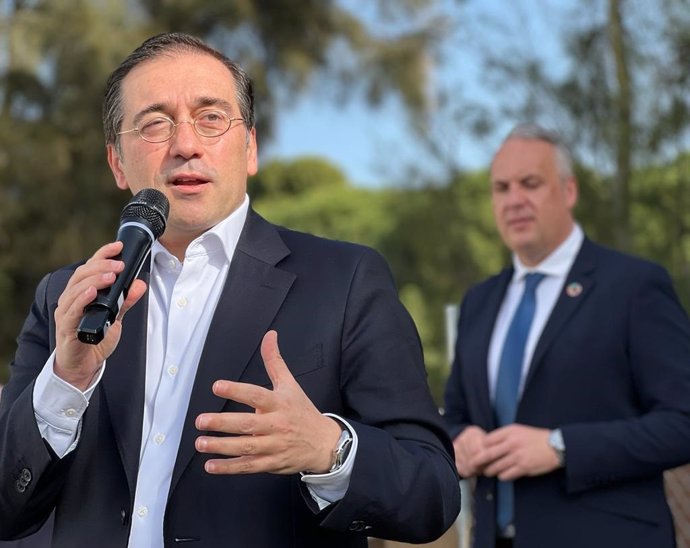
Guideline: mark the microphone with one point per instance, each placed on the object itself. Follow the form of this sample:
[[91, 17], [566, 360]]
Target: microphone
[[142, 222]]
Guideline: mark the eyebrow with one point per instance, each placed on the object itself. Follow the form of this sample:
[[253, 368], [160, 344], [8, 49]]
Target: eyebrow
[[199, 103]]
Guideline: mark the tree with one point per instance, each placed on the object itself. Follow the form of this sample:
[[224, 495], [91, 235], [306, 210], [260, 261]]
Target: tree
[[611, 76], [374, 49], [58, 199]]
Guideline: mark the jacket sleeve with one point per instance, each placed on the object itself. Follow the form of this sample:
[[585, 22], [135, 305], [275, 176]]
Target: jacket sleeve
[[403, 484], [30, 473]]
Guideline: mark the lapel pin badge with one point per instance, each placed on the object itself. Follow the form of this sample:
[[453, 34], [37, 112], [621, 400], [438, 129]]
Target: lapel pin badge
[[573, 289]]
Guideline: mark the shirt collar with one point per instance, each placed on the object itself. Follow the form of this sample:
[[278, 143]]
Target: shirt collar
[[559, 262], [222, 238]]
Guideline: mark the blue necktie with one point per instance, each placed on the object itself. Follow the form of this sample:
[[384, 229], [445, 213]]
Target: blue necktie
[[508, 382]]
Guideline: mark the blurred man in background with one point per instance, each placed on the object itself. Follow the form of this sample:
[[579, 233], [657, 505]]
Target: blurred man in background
[[569, 394]]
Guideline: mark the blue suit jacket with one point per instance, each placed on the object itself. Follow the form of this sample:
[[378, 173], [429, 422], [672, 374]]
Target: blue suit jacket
[[612, 370], [350, 344]]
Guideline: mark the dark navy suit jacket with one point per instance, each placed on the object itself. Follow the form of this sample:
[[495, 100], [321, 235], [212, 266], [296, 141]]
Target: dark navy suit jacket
[[612, 370], [350, 344]]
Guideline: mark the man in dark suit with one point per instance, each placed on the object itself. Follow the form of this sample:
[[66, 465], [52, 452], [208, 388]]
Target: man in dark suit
[[268, 391], [568, 395]]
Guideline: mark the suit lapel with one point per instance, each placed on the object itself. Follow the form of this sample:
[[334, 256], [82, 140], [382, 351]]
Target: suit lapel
[[124, 380], [253, 293], [578, 285]]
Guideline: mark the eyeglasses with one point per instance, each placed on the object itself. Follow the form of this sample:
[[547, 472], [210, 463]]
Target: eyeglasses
[[209, 123]]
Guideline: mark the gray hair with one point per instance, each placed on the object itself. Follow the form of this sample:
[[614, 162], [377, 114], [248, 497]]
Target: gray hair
[[154, 47], [535, 132]]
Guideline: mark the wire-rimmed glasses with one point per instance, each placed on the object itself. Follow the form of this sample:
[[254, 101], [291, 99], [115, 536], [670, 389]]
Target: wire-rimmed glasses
[[208, 123]]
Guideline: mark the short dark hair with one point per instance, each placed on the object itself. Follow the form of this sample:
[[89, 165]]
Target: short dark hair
[[154, 47]]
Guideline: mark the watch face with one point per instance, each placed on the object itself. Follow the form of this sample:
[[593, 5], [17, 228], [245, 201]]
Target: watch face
[[557, 444], [556, 440], [341, 450]]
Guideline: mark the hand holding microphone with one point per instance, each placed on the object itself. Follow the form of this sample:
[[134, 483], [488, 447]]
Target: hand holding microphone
[[142, 222]]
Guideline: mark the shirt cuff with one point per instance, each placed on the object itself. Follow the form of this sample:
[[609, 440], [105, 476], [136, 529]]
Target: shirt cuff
[[59, 408], [330, 487]]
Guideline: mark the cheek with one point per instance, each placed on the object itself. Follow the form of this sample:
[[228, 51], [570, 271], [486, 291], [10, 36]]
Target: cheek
[[501, 208]]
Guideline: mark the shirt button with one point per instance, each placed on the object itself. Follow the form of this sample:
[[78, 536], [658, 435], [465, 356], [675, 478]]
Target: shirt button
[[172, 264], [172, 370], [71, 413], [142, 511], [181, 302], [159, 438]]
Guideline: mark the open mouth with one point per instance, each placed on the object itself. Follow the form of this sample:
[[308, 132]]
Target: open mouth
[[188, 181], [188, 184]]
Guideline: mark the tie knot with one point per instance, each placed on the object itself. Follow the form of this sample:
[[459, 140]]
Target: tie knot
[[532, 281]]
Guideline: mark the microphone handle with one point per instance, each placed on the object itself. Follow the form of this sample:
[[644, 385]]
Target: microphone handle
[[102, 311]]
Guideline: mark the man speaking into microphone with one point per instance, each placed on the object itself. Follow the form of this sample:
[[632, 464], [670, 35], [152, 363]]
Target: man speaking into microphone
[[256, 387]]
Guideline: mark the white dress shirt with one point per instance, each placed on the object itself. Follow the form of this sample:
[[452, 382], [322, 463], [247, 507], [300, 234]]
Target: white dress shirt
[[182, 300], [556, 267]]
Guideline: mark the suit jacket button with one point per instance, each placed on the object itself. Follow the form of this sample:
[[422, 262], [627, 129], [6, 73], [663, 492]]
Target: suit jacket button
[[489, 497], [357, 526], [123, 516], [19, 486], [26, 475]]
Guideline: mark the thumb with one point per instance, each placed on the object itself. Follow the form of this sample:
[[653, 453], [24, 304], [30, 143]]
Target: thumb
[[276, 367], [136, 291]]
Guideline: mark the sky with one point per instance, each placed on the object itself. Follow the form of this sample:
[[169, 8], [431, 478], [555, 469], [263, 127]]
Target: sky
[[372, 146]]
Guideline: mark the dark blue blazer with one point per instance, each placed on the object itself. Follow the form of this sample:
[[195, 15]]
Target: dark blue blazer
[[350, 344], [612, 370]]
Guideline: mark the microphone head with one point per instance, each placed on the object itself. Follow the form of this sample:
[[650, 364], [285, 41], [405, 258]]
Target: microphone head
[[150, 206]]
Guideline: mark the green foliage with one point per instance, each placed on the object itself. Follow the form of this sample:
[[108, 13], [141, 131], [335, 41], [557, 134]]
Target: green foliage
[[438, 237], [56, 57], [279, 179], [340, 212], [443, 241], [285, 45]]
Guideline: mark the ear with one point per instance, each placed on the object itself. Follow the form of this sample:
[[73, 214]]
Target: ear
[[571, 192], [252, 153], [115, 162]]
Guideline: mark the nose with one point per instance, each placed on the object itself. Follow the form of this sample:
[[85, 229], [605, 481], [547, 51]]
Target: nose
[[185, 142], [514, 195]]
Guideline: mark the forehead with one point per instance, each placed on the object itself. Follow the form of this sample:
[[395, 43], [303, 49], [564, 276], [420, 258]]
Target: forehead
[[521, 157], [177, 79]]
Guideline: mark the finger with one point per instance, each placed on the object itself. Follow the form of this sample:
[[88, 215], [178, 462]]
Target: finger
[[136, 291], [230, 423], [500, 463], [497, 436], [481, 460], [237, 465], [511, 472], [254, 396], [108, 251], [105, 259], [100, 275], [233, 446], [246, 465], [276, 367], [108, 255]]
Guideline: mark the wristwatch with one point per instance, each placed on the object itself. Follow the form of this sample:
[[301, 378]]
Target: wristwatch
[[342, 450], [557, 444]]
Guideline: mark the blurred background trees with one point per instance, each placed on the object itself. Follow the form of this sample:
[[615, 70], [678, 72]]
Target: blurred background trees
[[619, 94]]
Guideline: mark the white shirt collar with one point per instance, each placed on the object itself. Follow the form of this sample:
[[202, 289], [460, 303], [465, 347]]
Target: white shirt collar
[[559, 262], [222, 238]]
